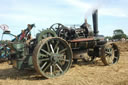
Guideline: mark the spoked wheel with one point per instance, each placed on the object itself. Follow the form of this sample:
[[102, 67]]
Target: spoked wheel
[[46, 33], [63, 33], [56, 27], [4, 53], [110, 54], [52, 57]]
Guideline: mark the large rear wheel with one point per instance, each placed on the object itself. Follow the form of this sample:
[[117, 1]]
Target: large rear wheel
[[52, 57]]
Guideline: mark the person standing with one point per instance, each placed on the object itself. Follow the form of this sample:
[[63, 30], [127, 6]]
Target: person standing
[[85, 27]]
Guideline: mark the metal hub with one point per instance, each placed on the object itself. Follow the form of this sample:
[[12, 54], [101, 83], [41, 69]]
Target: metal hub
[[54, 58]]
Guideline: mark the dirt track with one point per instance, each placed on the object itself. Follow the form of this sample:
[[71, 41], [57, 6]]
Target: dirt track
[[80, 74]]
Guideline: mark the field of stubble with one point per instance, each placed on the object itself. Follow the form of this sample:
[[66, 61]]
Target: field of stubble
[[79, 74]]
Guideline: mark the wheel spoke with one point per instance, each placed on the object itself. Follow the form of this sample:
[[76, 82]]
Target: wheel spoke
[[56, 45], [54, 68], [107, 52], [44, 59], [51, 69], [43, 65], [63, 50], [66, 60], [52, 48], [63, 58], [48, 47], [57, 50], [59, 63], [47, 67], [113, 54], [110, 59], [115, 50], [45, 51], [59, 67], [42, 55], [116, 58]]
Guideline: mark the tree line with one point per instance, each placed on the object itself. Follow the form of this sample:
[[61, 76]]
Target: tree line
[[118, 34]]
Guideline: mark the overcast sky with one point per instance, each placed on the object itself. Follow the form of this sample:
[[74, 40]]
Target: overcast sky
[[113, 14]]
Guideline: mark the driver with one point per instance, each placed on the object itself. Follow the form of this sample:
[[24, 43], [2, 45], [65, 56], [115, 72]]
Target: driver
[[29, 38], [85, 27]]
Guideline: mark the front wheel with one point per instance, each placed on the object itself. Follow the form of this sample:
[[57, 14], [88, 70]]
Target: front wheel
[[110, 54]]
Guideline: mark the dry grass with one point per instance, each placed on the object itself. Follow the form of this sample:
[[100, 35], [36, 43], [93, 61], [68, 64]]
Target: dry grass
[[80, 74]]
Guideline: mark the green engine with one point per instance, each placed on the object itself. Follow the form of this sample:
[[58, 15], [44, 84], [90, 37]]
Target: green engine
[[20, 56]]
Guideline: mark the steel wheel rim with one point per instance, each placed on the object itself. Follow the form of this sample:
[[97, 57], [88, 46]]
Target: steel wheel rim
[[111, 54], [55, 60]]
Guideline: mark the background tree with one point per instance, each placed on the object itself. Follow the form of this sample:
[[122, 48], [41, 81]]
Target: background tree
[[119, 34]]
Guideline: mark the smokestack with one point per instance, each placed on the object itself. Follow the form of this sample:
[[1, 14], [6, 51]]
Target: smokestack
[[95, 22]]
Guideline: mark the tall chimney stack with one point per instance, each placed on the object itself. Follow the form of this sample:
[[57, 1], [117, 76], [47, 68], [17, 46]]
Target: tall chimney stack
[[95, 22]]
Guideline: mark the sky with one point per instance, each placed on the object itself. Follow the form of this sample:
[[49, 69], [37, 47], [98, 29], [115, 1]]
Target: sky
[[112, 14]]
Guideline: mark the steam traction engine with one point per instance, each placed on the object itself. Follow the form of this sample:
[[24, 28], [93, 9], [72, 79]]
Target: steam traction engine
[[52, 51]]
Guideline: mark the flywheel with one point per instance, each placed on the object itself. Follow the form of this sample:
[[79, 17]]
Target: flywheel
[[45, 33]]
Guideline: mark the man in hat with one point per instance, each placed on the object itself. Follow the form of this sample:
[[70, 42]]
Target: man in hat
[[85, 26]]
